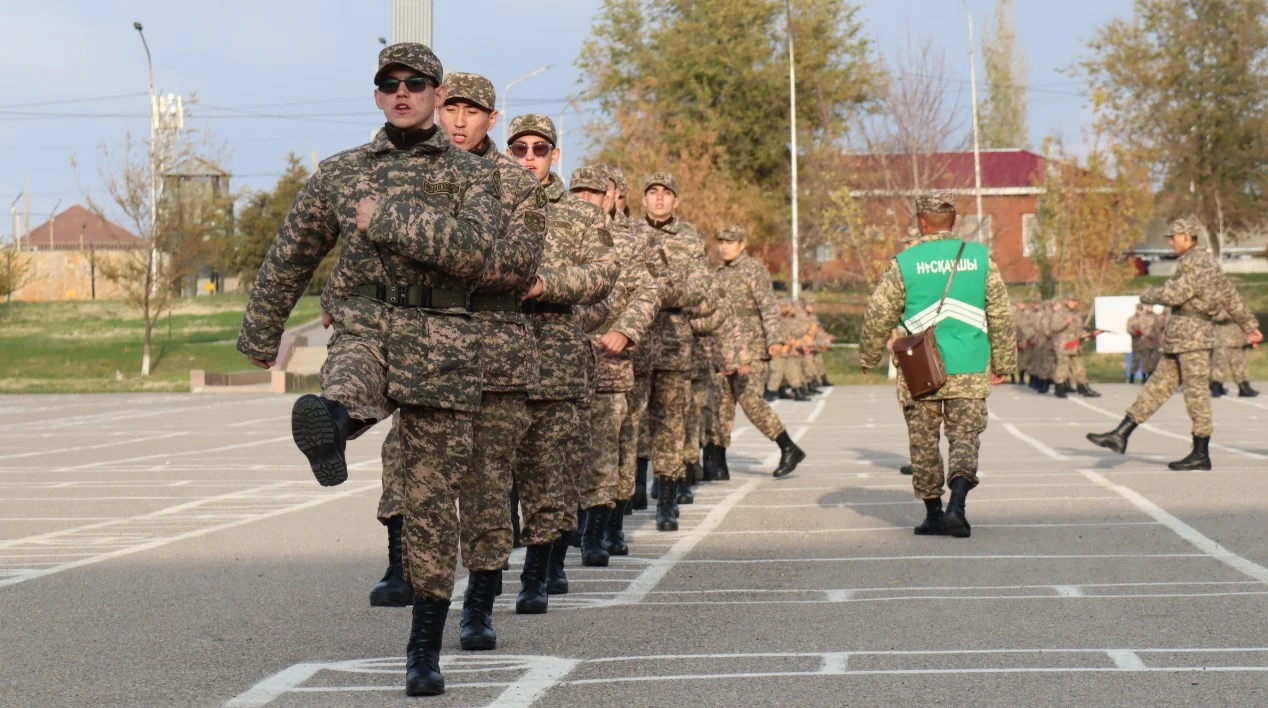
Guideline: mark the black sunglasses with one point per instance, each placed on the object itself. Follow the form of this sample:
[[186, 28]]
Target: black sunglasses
[[520, 150], [414, 84]]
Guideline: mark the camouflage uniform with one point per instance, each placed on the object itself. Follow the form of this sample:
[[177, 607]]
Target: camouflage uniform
[[747, 285], [1021, 322], [960, 405], [786, 367], [1229, 358], [1137, 326], [578, 268], [1198, 291], [1157, 324], [1045, 352], [719, 349], [1066, 327]]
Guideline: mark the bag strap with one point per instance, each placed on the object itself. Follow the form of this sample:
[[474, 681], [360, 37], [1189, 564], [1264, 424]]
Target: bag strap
[[955, 265]]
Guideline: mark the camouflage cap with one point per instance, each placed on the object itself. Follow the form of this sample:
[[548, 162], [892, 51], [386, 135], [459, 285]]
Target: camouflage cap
[[410, 55], [664, 179], [732, 233], [473, 88], [935, 203], [1185, 225], [593, 177], [533, 124], [618, 175]]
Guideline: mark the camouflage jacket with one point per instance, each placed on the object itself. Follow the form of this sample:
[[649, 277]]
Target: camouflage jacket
[[578, 268], [1021, 323], [510, 349], [685, 286], [1138, 325], [885, 312], [747, 285], [719, 345], [1229, 332], [1066, 326], [1197, 292], [439, 212], [629, 308]]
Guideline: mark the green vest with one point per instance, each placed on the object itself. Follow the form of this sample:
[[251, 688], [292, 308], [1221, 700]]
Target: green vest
[[962, 338]]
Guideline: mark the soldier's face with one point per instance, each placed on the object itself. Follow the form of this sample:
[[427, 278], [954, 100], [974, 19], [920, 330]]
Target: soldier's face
[[659, 202], [466, 124], [730, 250], [621, 200], [1181, 243], [539, 166], [591, 196], [406, 110]]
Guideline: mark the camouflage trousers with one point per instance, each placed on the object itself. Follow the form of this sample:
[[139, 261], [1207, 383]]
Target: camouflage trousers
[[355, 374], [667, 410], [627, 454], [546, 469], [639, 398], [1045, 361], [435, 450], [747, 391], [785, 369], [1192, 371], [601, 472], [1152, 356], [1138, 357], [808, 372], [1229, 362], [820, 368], [484, 515], [697, 416], [964, 420], [1070, 368]]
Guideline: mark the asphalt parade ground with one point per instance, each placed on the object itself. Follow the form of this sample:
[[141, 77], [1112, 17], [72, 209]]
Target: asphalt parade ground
[[166, 550]]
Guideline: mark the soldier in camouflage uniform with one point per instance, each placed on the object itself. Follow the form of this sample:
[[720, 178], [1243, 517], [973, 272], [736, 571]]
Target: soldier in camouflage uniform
[[1158, 317], [1068, 334], [1198, 291], [822, 340], [1229, 358], [978, 347], [685, 287], [1137, 325], [1045, 352], [786, 380], [748, 288], [1019, 319], [578, 268], [721, 352], [621, 319], [417, 217]]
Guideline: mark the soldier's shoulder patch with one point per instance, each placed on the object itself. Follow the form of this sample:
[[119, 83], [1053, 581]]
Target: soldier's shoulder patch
[[560, 224], [536, 222], [539, 198], [438, 187], [605, 237]]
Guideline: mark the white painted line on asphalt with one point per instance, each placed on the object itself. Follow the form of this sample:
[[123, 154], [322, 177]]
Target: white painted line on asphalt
[[544, 675], [270, 419], [275, 686], [132, 441], [814, 414], [813, 532], [1042, 448], [1183, 530], [1169, 434], [1068, 591], [1072, 590], [1252, 404], [177, 453], [835, 663], [1126, 659], [949, 557], [907, 503], [961, 598]]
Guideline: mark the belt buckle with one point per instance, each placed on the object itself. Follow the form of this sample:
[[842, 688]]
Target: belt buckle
[[393, 294]]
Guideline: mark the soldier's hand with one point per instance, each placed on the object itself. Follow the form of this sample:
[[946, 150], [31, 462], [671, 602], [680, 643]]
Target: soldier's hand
[[997, 379], [774, 349], [614, 342], [365, 212], [1255, 337], [326, 320], [262, 363], [743, 370], [536, 289]]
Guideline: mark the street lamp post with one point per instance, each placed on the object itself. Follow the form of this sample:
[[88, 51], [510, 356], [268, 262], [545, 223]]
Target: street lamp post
[[795, 288], [506, 117], [153, 178], [977, 149]]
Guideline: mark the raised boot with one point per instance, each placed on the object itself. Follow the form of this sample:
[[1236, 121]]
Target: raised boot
[[1217, 389], [1060, 390], [1115, 439], [556, 579], [321, 429], [934, 523], [666, 519], [1087, 392], [710, 468], [614, 533], [393, 590], [476, 630], [593, 552], [1198, 459], [789, 455], [1245, 391], [533, 598], [724, 472], [422, 655], [639, 501], [957, 523]]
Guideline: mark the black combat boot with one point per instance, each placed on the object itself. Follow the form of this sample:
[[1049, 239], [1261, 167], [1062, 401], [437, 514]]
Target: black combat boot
[[516, 540], [685, 495], [393, 590], [574, 534], [614, 534], [1131, 378], [725, 470], [786, 392], [666, 519], [934, 523], [321, 429], [655, 492], [556, 579], [710, 457], [422, 662], [1115, 439], [1217, 389], [812, 387], [1198, 459], [639, 502], [695, 473], [533, 598], [1012, 378], [905, 469], [789, 455], [1245, 391], [956, 522], [826, 382], [770, 396], [593, 552], [1060, 390], [799, 394], [476, 630], [1045, 386], [1087, 392]]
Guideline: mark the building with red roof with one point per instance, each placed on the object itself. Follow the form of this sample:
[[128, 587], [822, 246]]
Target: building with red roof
[[78, 228]]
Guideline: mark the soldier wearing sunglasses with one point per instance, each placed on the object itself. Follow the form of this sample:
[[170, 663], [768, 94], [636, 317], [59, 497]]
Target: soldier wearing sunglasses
[[578, 268], [416, 217]]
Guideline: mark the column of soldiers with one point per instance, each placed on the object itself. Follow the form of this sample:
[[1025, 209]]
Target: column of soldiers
[[1050, 337], [519, 335], [797, 371]]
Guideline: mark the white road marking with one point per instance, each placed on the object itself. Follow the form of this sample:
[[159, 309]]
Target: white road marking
[[1042, 448], [816, 532], [130, 441], [177, 453], [1169, 434], [949, 557], [846, 505], [1183, 530], [1126, 659]]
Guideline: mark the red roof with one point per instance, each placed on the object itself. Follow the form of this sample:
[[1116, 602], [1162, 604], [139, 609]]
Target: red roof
[[64, 232], [1001, 169]]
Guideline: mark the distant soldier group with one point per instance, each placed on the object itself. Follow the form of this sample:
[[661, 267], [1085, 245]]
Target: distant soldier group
[[1050, 336], [1145, 327], [798, 371]]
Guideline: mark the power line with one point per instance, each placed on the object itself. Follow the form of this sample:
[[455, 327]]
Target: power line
[[73, 100]]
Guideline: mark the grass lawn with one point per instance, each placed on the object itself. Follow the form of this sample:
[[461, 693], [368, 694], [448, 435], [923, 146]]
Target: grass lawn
[[95, 347]]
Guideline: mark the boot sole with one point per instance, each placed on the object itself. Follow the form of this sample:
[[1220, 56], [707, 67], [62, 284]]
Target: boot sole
[[797, 459], [595, 561], [314, 433], [478, 643], [1107, 445], [668, 526], [531, 608], [1190, 468], [958, 527], [424, 689], [391, 599]]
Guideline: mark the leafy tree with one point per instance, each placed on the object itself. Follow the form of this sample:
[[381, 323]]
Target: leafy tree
[[259, 220], [1003, 114], [15, 271]]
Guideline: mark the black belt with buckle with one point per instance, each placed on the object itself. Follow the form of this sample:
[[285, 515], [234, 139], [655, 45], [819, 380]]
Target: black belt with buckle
[[534, 307], [495, 302], [414, 295]]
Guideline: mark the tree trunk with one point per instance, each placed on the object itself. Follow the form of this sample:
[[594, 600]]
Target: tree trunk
[[145, 351]]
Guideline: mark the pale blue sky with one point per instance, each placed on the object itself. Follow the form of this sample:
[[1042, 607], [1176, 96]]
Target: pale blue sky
[[306, 65]]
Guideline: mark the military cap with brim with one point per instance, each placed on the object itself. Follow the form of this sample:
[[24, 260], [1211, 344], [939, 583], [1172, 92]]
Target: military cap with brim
[[1185, 225], [664, 179], [472, 88], [410, 55], [935, 203], [732, 233], [533, 124], [618, 175], [592, 177]]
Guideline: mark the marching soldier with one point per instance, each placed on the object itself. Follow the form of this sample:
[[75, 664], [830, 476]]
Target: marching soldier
[[1229, 358], [978, 349], [1068, 335], [1197, 291], [1137, 325]]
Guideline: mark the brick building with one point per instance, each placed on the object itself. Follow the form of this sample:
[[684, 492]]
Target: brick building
[[64, 255]]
